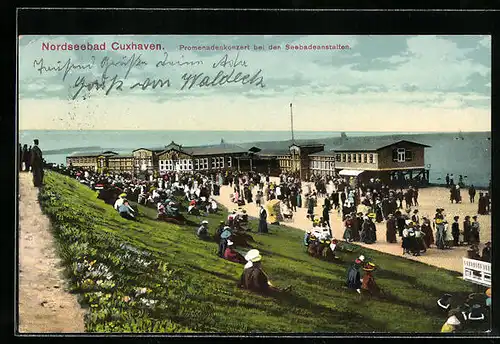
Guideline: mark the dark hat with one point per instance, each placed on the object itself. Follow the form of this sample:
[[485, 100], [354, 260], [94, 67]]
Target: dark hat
[[36, 141], [474, 217], [437, 210], [476, 313], [456, 217], [444, 301], [415, 211]]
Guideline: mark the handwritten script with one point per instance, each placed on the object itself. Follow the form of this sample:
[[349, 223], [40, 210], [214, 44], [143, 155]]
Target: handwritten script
[[111, 75]]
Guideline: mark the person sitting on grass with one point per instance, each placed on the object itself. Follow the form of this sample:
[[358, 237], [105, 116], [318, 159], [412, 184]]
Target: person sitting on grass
[[233, 256], [224, 236], [486, 254], [451, 325], [119, 201], [202, 231], [368, 284], [353, 276], [254, 278], [126, 211]]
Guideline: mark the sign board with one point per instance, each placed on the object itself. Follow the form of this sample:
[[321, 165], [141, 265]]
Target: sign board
[[477, 271]]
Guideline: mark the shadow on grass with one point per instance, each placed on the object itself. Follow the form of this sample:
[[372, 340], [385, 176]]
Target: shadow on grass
[[214, 273]]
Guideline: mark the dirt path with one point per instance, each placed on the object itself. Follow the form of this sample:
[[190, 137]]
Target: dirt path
[[429, 199], [44, 304]]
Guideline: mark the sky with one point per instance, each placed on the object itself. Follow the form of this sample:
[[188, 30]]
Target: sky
[[376, 83]]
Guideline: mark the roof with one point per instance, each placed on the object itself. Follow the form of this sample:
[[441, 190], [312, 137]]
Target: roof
[[128, 155], [92, 154], [222, 148], [323, 153], [371, 143], [152, 149], [274, 152], [307, 143], [353, 173]]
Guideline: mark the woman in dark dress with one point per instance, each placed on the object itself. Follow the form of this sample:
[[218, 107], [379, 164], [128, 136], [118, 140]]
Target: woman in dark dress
[[427, 230], [391, 230], [466, 228]]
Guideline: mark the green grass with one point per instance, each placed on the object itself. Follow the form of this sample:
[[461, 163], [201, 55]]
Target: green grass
[[196, 290]]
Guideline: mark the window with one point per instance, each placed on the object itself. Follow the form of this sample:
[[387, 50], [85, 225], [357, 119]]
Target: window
[[190, 164], [365, 158], [401, 155], [371, 158], [214, 162], [196, 164], [345, 158], [348, 157], [359, 157], [338, 157], [229, 162], [409, 155], [205, 163], [222, 162]]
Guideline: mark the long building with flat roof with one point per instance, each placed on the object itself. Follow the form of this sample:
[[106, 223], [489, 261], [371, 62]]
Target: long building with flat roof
[[387, 158]]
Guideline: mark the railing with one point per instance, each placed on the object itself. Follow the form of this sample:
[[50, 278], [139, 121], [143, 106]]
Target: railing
[[477, 271]]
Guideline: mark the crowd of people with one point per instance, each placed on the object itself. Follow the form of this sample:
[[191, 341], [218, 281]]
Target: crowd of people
[[168, 193], [360, 206], [31, 160]]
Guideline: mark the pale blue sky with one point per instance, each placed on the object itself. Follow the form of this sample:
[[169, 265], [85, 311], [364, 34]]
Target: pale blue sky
[[393, 83]]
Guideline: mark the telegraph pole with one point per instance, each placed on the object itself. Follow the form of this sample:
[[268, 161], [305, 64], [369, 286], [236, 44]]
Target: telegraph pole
[[291, 122]]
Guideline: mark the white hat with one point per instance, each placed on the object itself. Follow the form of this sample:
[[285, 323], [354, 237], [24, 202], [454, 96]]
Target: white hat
[[453, 320], [362, 258], [229, 242], [204, 222], [253, 256], [408, 222]]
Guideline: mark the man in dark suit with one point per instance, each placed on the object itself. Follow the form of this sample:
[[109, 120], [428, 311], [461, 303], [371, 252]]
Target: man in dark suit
[[472, 193], [37, 164], [326, 218]]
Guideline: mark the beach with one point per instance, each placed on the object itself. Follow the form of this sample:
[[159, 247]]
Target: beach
[[429, 199]]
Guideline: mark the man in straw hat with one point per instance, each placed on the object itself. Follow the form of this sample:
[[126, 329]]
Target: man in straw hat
[[451, 325], [119, 201], [202, 231], [254, 278], [353, 275]]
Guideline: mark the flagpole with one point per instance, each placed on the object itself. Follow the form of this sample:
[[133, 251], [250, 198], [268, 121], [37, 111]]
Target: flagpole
[[291, 122]]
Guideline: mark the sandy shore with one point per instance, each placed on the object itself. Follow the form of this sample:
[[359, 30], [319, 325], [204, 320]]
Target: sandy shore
[[429, 199], [44, 304]]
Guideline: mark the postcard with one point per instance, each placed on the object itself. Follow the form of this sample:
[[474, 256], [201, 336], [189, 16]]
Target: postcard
[[254, 184]]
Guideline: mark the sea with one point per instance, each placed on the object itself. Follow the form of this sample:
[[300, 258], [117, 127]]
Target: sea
[[466, 153]]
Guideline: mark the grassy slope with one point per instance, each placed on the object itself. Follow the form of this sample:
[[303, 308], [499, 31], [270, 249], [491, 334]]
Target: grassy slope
[[205, 287]]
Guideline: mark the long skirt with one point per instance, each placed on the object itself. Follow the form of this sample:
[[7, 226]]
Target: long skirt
[[347, 234], [263, 226], [37, 176]]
